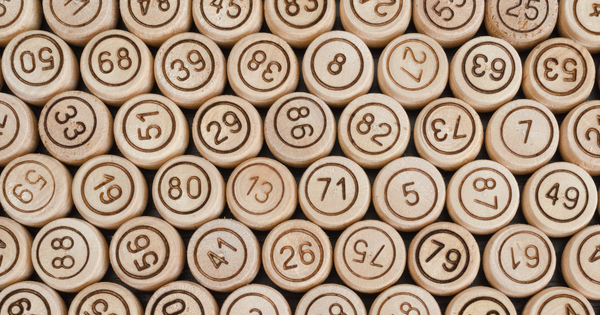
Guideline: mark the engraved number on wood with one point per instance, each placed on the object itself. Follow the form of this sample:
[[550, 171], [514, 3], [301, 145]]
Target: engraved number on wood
[[535, 257], [194, 58], [302, 252], [216, 259], [3, 124], [175, 307], [498, 67], [64, 243], [256, 310], [336, 65], [437, 131], [19, 307], [569, 310], [453, 256], [234, 123], [218, 4], [327, 180], [450, 15], [569, 67], [482, 184], [264, 192], [99, 307], [110, 191], [379, 5], [407, 192], [258, 58], [106, 65], [175, 192], [531, 12], [595, 8], [295, 114], [363, 254], [587, 132], [84, 4], [2, 246], [552, 194], [27, 54], [26, 196], [148, 136], [337, 307], [594, 256], [407, 309], [142, 242], [292, 8], [80, 129], [408, 50], [527, 122], [3, 8], [364, 127], [163, 5]]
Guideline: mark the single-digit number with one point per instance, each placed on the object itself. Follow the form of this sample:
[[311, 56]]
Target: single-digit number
[[197, 60], [477, 65], [595, 8], [218, 126], [594, 256], [338, 61], [587, 133], [481, 184], [65, 262], [439, 248], [106, 61], [302, 131], [148, 136], [181, 68], [407, 309], [316, 6], [175, 185], [437, 130], [123, 55], [67, 115], [85, 3], [98, 303], [452, 261], [49, 60], [364, 254], [175, 307], [527, 7], [407, 192], [535, 257], [236, 122], [109, 179], [367, 120], [142, 116], [19, 307], [3, 123], [25, 196], [383, 4], [498, 70], [65, 243], [266, 193], [144, 5], [258, 57], [382, 135], [80, 129], [189, 187], [455, 135], [337, 307], [291, 7], [2, 246], [552, 194], [39, 179], [145, 264], [217, 4], [238, 10], [441, 11], [31, 57], [286, 265], [569, 310], [268, 70], [548, 69], [570, 62], [217, 260], [527, 122], [164, 5]]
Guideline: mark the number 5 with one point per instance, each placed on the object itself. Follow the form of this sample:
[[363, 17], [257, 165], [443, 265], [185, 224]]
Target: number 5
[[410, 192]]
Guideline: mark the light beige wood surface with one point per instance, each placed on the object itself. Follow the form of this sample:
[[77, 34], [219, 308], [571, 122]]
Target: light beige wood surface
[[413, 69], [369, 256], [188, 191], [578, 20], [409, 193], [256, 298], [116, 66], [450, 23], [519, 260], [559, 73], [261, 68], [299, 129], [557, 299], [331, 299], [523, 24], [297, 255], [261, 193], [559, 199], [483, 196], [155, 21], [182, 297], [16, 253], [373, 130], [299, 22], [448, 133], [578, 142], [20, 16], [37, 65], [579, 262], [334, 192], [227, 130], [19, 131], [223, 255], [107, 298], [36, 189], [480, 300], [338, 67], [146, 253], [486, 73], [69, 254], [77, 22], [31, 297], [443, 258], [522, 135], [227, 22], [75, 126], [150, 130], [376, 22], [109, 190], [1, 77], [190, 69], [407, 298]]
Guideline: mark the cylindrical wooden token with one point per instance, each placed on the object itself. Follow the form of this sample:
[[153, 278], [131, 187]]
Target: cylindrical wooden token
[[578, 20], [299, 129], [406, 298], [579, 262], [297, 255], [522, 135], [36, 190], [16, 253], [116, 66], [373, 130], [255, 298], [483, 196], [18, 17], [522, 24], [182, 297], [559, 73], [450, 23], [519, 260], [370, 256], [338, 67], [69, 254], [443, 258], [376, 23], [223, 255], [146, 253], [334, 192], [75, 126], [37, 65], [261, 193], [19, 129], [29, 297], [79, 21], [109, 190], [155, 21], [108, 297], [551, 300], [190, 69], [480, 300], [580, 137], [409, 193], [331, 299], [227, 22], [188, 191]]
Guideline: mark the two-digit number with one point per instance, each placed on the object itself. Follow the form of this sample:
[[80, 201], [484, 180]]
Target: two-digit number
[[498, 67], [364, 127], [336, 307], [230, 119], [295, 114], [142, 242], [587, 132], [258, 58], [148, 136], [482, 184], [527, 122], [379, 5], [552, 194], [219, 5], [99, 311], [48, 60], [175, 186], [408, 51], [528, 9], [363, 254], [437, 131], [327, 180], [450, 15], [266, 193], [80, 129], [595, 256], [22, 196], [112, 196], [64, 243], [407, 309], [194, 58], [531, 257], [568, 67], [453, 256], [301, 251], [217, 260], [407, 192], [123, 60]]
